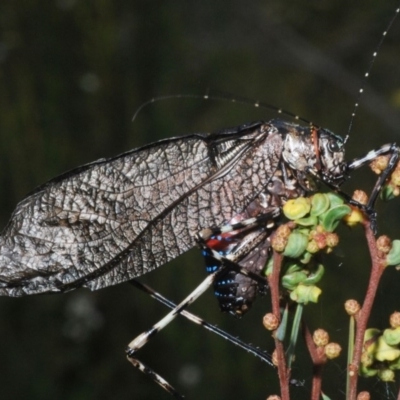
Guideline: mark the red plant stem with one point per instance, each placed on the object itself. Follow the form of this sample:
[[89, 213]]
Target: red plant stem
[[362, 317], [283, 372], [273, 280], [318, 359]]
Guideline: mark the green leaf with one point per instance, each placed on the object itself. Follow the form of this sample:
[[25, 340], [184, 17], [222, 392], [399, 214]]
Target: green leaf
[[387, 193], [332, 217], [384, 352], [334, 199], [304, 294], [307, 221], [392, 336], [315, 276], [296, 208], [290, 281], [319, 204], [393, 258], [296, 245]]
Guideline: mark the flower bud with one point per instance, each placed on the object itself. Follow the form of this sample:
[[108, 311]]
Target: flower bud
[[312, 247], [355, 217], [366, 359], [360, 196], [379, 164], [395, 178], [270, 322], [384, 244], [395, 320], [332, 239], [278, 243], [386, 375], [332, 350], [320, 337], [352, 307], [283, 231], [364, 396]]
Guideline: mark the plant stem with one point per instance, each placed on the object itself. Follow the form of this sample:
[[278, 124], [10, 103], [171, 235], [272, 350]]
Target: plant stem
[[318, 359], [283, 372], [377, 269]]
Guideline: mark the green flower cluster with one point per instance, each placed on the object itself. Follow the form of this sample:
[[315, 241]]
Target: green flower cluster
[[381, 356], [309, 230]]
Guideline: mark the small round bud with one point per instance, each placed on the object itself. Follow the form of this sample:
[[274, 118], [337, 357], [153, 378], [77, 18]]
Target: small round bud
[[319, 238], [355, 217], [312, 246], [352, 307], [379, 164], [332, 350], [395, 320], [332, 239], [395, 178], [384, 244], [273, 397], [320, 337], [364, 396], [283, 231], [270, 322], [360, 196], [366, 359], [386, 375], [278, 243]]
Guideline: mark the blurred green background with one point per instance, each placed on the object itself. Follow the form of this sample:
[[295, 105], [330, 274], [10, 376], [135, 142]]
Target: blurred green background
[[72, 74]]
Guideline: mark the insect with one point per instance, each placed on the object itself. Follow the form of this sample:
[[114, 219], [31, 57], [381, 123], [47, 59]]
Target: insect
[[93, 227], [45, 246]]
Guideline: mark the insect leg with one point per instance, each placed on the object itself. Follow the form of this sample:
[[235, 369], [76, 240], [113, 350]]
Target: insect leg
[[155, 377], [371, 155], [223, 264], [391, 149], [199, 321], [143, 338], [388, 149], [206, 234], [231, 260]]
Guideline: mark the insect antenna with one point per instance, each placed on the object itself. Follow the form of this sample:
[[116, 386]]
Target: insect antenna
[[226, 97], [366, 75]]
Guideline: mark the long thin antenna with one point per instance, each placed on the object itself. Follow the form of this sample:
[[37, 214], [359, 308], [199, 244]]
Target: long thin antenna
[[227, 98], [366, 75]]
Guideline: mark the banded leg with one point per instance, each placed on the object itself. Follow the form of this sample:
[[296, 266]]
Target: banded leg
[[387, 149], [262, 355], [390, 149], [224, 264], [143, 338]]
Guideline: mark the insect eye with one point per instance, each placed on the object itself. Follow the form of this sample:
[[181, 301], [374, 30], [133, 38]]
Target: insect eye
[[334, 147]]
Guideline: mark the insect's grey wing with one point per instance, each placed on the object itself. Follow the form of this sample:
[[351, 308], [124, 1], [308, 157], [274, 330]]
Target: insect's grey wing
[[115, 219]]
